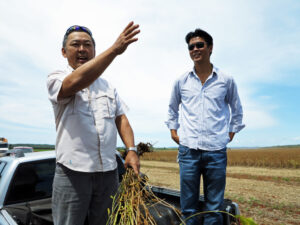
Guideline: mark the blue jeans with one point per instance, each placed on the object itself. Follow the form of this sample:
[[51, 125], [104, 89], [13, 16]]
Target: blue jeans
[[212, 166], [78, 194]]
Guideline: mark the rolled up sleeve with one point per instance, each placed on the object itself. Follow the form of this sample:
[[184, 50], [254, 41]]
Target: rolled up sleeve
[[173, 111], [236, 121]]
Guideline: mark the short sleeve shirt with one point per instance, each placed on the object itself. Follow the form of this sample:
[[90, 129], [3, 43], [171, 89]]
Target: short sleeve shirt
[[85, 124]]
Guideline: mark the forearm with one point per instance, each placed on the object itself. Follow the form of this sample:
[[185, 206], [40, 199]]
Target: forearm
[[125, 131], [126, 134], [174, 135], [86, 74], [231, 136]]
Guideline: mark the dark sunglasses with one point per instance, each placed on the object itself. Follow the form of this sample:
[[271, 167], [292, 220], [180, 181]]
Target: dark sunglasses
[[197, 44], [78, 28]]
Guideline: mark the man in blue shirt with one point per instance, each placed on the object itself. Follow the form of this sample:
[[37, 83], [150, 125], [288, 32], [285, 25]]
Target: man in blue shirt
[[210, 115]]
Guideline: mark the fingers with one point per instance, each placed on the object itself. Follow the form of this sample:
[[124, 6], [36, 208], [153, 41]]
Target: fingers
[[136, 169], [126, 38], [130, 28], [127, 27], [134, 166], [131, 35], [133, 161]]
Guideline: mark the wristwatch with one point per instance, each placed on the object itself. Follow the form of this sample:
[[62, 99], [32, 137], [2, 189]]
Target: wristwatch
[[132, 149]]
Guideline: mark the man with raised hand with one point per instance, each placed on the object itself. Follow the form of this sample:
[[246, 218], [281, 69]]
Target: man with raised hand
[[88, 115], [211, 114]]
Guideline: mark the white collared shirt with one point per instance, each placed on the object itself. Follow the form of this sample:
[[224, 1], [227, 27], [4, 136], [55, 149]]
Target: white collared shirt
[[208, 112], [85, 124]]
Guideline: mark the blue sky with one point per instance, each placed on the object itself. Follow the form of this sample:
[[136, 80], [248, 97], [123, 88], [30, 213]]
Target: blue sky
[[257, 42]]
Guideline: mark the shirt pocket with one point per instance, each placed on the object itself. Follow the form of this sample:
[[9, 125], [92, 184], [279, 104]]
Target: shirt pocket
[[105, 104], [81, 103], [188, 95]]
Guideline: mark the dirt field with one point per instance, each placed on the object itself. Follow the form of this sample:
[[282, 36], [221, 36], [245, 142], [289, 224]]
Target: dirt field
[[269, 196]]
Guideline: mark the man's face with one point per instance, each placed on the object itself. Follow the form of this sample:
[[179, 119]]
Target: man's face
[[201, 52], [79, 49]]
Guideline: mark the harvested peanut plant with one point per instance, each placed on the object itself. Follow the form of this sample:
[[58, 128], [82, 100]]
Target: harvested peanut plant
[[133, 200]]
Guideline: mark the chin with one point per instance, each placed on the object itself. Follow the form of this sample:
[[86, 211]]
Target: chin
[[79, 64], [198, 60]]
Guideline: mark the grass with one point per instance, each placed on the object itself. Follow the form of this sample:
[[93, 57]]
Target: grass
[[41, 150]]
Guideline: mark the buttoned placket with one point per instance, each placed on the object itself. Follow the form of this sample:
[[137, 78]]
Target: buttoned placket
[[92, 110], [202, 89], [202, 132]]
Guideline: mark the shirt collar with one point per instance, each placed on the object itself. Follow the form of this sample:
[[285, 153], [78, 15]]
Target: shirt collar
[[69, 68], [214, 72]]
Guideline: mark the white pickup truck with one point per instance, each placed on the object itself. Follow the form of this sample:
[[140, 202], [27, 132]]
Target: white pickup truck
[[26, 188]]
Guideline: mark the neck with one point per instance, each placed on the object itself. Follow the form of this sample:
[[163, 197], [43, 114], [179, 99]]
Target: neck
[[203, 70]]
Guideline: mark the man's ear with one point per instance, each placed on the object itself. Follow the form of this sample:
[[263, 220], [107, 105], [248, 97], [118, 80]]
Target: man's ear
[[210, 49], [63, 52]]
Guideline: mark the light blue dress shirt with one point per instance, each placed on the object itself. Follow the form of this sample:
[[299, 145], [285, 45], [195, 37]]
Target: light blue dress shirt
[[205, 114]]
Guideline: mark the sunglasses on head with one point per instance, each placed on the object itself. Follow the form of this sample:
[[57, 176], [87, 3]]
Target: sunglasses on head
[[78, 28], [197, 44]]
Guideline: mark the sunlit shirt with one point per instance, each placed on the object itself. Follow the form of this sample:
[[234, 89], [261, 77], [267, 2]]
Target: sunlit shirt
[[207, 113], [85, 124]]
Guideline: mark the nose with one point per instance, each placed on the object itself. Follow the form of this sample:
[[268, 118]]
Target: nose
[[81, 48]]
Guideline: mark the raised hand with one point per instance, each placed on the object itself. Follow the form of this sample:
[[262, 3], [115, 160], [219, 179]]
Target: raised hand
[[126, 38]]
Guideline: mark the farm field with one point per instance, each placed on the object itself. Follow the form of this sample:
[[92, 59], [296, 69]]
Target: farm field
[[268, 192]]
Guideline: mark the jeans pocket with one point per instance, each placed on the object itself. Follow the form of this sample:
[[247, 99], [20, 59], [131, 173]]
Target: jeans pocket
[[182, 152]]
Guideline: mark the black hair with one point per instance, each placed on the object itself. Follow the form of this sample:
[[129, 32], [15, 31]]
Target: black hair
[[199, 33]]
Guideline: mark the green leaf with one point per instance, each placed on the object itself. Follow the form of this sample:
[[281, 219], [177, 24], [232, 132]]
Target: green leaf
[[245, 220]]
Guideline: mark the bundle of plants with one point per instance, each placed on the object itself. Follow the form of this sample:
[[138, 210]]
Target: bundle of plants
[[136, 204], [141, 149]]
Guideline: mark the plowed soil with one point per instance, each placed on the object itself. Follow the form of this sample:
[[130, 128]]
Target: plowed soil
[[269, 196]]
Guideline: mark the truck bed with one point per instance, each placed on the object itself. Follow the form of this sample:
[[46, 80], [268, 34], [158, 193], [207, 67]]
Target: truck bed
[[40, 213], [37, 212]]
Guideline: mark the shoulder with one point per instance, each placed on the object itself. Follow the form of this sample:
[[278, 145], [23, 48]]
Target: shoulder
[[223, 76], [184, 76], [58, 74], [182, 79]]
